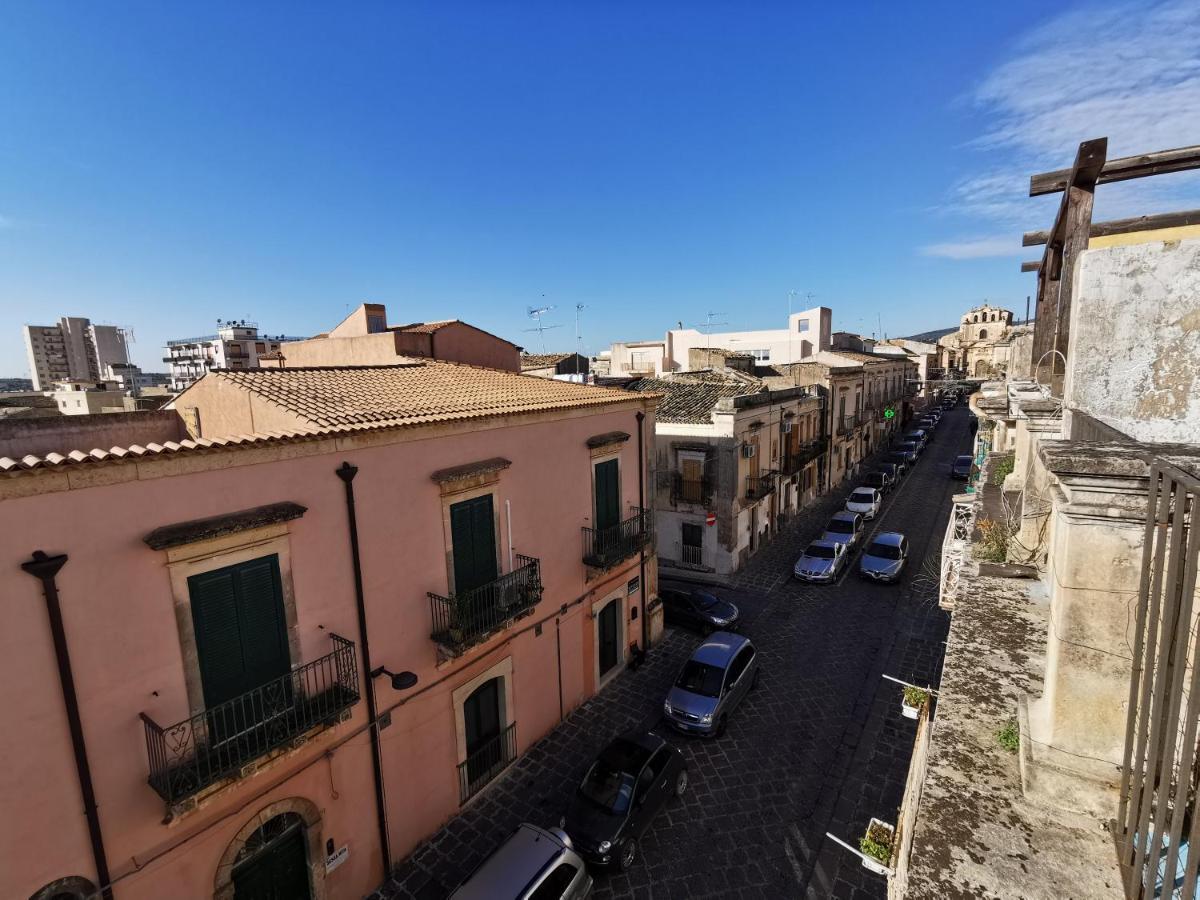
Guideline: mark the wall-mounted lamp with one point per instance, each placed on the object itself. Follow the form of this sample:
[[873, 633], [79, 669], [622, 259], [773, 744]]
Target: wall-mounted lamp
[[401, 681]]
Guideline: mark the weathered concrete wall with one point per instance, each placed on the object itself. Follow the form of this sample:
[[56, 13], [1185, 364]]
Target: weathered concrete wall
[[1135, 339], [63, 434]]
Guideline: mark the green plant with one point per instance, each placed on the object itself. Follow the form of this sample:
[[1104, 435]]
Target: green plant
[[915, 697], [1002, 469], [1009, 736], [877, 843], [993, 546]]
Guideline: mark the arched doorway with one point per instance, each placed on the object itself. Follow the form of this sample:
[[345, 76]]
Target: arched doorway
[[73, 887], [980, 367], [983, 334], [276, 856]]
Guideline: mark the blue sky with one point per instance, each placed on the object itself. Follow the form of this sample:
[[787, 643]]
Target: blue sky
[[164, 165]]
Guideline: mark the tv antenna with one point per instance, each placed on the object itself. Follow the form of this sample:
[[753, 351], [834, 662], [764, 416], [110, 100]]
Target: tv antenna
[[709, 323], [579, 308], [536, 313]]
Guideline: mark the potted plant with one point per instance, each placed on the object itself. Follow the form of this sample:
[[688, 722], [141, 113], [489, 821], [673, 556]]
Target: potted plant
[[876, 846], [914, 700]]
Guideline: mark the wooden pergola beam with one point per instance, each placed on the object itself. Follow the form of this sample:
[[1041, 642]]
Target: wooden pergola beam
[[1179, 160], [1033, 265], [1123, 226]]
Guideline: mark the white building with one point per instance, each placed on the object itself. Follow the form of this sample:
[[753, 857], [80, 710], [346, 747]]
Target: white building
[[74, 349], [82, 398], [806, 333], [236, 345]]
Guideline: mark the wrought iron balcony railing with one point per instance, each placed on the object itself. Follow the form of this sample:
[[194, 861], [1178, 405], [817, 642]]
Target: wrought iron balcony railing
[[758, 486], [690, 490], [803, 455], [849, 422], [605, 547], [464, 620], [486, 763], [220, 742]]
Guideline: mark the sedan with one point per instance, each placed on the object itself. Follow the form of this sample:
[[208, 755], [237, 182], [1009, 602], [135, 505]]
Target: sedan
[[880, 479], [712, 683], [698, 610], [884, 558], [893, 469], [865, 501], [961, 467], [843, 528], [622, 792], [907, 450], [822, 562]]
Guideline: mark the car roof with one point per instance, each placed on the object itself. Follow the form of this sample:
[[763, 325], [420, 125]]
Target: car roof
[[966, 457], [889, 538], [629, 752], [844, 515], [719, 648], [828, 545], [863, 487], [514, 864]]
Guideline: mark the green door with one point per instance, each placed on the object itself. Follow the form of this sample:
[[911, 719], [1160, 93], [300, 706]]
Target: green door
[[241, 632], [608, 495], [473, 535], [278, 871], [606, 624]]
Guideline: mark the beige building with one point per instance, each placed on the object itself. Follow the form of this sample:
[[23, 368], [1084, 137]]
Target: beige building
[[74, 349], [970, 351]]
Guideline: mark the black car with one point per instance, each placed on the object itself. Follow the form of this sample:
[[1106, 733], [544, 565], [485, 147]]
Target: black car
[[961, 467], [900, 460], [698, 610], [894, 471], [622, 792], [880, 480]]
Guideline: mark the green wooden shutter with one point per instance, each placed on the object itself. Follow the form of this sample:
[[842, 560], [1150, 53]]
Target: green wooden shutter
[[608, 495], [473, 539], [241, 634]]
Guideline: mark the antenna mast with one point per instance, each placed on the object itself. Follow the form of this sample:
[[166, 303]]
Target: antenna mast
[[536, 313]]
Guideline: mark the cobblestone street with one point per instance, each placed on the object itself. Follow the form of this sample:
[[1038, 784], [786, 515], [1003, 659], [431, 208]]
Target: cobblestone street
[[820, 746]]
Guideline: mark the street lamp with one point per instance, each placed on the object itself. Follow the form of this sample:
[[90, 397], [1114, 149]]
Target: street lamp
[[401, 681]]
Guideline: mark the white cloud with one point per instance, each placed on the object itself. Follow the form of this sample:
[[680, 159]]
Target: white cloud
[[975, 248], [1127, 71]]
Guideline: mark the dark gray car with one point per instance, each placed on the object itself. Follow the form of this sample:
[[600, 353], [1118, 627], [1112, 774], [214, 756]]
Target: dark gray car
[[698, 609], [884, 558], [961, 467], [533, 863], [711, 684]]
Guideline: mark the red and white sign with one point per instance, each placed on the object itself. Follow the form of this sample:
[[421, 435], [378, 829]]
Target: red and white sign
[[710, 519]]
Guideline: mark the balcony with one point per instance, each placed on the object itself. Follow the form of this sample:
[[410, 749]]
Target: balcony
[[759, 486], [486, 763], [605, 547], [690, 490], [463, 620], [803, 455], [850, 422], [226, 740]]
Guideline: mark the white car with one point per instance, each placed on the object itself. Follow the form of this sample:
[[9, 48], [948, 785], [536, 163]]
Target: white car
[[865, 501]]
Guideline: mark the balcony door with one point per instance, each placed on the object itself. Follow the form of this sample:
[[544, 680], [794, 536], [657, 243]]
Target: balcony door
[[241, 640], [482, 723], [608, 495], [473, 536]]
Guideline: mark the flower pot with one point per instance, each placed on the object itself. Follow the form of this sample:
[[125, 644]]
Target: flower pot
[[869, 862], [910, 712]]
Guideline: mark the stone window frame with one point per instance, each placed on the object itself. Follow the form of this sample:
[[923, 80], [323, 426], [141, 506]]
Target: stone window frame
[[619, 596], [603, 454], [308, 811], [449, 499], [503, 669], [199, 557]]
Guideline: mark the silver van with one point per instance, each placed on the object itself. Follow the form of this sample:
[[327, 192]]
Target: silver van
[[533, 862], [712, 683]]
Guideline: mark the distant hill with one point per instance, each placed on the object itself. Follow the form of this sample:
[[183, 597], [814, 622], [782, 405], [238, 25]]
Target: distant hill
[[931, 337]]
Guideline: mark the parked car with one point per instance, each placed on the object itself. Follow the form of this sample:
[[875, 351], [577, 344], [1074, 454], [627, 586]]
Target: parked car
[[918, 436], [865, 501], [711, 684], [894, 468], [880, 479], [908, 451], [884, 559], [624, 789], [961, 467], [843, 528], [698, 610], [928, 424], [822, 561], [533, 864]]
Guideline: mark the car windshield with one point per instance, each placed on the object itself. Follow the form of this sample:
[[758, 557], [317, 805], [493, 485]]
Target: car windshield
[[884, 551], [701, 678], [840, 526], [607, 787], [816, 551], [963, 461], [862, 497]]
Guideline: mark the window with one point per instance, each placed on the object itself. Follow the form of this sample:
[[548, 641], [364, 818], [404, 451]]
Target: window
[[473, 543], [761, 355], [555, 884], [802, 324], [982, 333], [658, 762], [738, 666], [608, 494]]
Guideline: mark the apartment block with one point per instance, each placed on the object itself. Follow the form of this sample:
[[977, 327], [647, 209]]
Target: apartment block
[[74, 349]]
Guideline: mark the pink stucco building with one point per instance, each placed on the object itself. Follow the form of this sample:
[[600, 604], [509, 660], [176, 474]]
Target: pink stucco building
[[187, 693]]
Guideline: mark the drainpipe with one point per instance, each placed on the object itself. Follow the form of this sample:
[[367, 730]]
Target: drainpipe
[[347, 473], [641, 417], [45, 568]]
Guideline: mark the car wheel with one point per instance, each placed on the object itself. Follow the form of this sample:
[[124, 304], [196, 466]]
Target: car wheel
[[628, 855], [722, 724], [754, 682], [681, 783]]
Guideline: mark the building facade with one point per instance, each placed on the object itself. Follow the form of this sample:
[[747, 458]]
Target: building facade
[[970, 351], [208, 646], [236, 345], [74, 349]]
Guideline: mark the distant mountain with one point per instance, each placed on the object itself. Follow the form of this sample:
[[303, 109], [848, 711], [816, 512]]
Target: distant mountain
[[931, 337]]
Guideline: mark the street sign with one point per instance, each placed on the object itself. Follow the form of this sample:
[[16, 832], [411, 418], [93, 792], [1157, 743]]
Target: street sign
[[710, 518]]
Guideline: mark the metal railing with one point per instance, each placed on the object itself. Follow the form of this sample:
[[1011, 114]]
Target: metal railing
[[606, 547], [849, 422], [690, 490], [691, 555], [803, 455], [1158, 825], [221, 741], [463, 620], [954, 551], [760, 485], [486, 763]]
